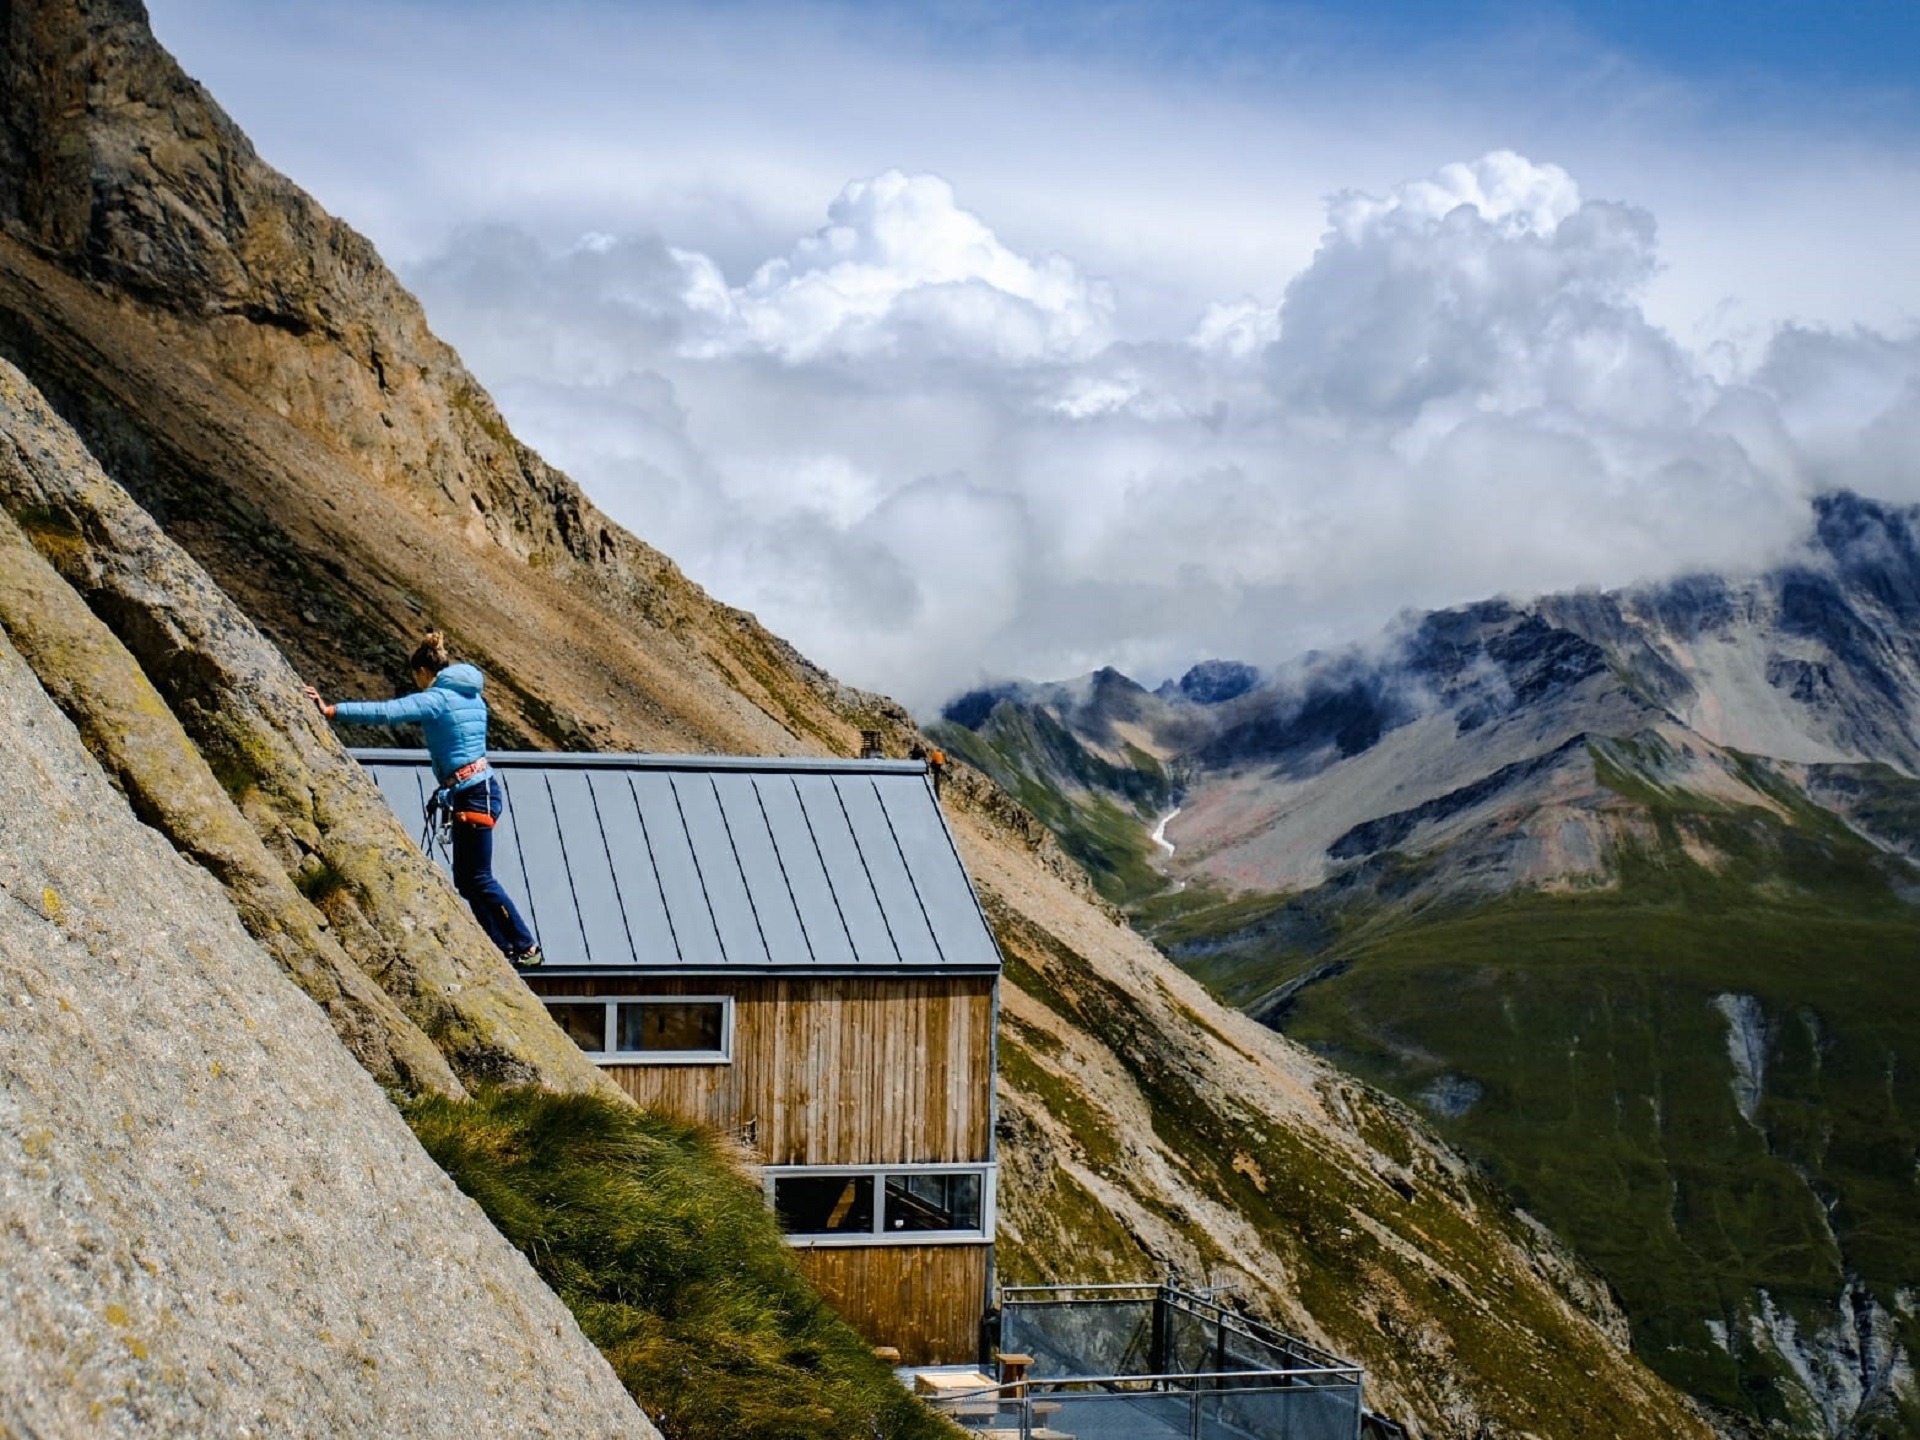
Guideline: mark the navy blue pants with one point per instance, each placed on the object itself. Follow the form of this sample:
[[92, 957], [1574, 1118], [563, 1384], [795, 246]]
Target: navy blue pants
[[473, 870]]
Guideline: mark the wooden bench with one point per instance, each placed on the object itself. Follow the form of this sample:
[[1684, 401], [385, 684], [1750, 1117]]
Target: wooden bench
[[946, 1390], [955, 1382]]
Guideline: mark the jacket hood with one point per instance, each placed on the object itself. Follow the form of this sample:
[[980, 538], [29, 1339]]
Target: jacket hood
[[464, 678]]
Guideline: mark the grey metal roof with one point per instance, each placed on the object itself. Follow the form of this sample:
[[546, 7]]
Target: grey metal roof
[[707, 863]]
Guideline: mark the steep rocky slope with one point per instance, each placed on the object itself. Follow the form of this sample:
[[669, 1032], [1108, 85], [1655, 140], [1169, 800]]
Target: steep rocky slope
[[324, 474], [1143, 1125], [211, 1221], [1618, 888], [202, 724], [777, 1365]]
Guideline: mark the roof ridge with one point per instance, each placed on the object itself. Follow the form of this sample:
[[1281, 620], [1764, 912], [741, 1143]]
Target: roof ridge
[[628, 760]]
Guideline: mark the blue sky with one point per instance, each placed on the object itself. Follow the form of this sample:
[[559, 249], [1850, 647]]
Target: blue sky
[[1866, 44], [971, 340]]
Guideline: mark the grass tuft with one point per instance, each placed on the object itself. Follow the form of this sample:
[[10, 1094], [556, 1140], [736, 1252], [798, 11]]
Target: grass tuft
[[320, 879], [671, 1265]]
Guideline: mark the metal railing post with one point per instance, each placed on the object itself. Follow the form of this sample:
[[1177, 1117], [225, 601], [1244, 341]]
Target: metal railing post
[[1159, 1360]]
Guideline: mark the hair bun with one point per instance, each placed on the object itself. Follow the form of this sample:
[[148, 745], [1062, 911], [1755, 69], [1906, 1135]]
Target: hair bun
[[431, 652]]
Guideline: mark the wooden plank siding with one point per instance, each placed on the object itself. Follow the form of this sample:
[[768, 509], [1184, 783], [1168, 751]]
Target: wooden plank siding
[[926, 1300], [829, 1070]]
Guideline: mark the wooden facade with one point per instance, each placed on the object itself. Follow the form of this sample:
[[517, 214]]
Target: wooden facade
[[846, 1070], [924, 1300], [834, 1070]]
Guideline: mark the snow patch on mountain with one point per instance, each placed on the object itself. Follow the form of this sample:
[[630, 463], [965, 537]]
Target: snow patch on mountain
[[1747, 1049], [1852, 1366]]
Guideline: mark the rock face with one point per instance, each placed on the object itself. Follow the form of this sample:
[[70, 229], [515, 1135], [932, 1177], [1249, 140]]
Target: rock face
[[201, 694], [211, 1221], [315, 475], [98, 685], [1214, 682]]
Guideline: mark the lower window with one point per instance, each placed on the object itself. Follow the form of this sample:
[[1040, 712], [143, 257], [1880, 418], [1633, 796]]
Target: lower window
[[879, 1205], [824, 1204], [650, 1029]]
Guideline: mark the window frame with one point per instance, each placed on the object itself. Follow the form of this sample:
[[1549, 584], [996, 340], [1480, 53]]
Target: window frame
[[987, 1170], [610, 1023]]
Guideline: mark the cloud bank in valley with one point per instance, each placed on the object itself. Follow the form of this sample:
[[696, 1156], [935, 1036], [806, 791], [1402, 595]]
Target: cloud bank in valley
[[928, 458]]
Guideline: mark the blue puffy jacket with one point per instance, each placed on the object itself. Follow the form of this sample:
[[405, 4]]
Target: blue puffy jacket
[[450, 712]]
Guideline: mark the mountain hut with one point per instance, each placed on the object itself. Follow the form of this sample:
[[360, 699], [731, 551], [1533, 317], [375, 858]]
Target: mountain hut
[[788, 952]]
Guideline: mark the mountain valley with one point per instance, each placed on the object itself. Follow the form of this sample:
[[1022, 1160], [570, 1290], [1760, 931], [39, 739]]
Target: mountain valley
[[1617, 888]]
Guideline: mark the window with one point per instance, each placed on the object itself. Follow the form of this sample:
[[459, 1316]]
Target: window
[[669, 1027], [585, 1022], [824, 1204], [933, 1202], [649, 1030], [881, 1205]]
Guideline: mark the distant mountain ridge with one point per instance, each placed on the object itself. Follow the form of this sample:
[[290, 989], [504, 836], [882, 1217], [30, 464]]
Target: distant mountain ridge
[[1814, 664], [1587, 799]]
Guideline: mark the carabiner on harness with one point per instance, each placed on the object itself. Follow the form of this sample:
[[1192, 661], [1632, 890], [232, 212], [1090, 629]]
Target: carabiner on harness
[[439, 827]]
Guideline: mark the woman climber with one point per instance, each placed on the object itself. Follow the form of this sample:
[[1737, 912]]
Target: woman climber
[[453, 718]]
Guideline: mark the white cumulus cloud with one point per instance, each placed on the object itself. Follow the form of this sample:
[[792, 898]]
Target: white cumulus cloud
[[1492, 287], [923, 455], [900, 266]]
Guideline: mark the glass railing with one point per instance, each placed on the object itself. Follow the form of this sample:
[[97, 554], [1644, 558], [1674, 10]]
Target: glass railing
[[1141, 1362], [1313, 1404]]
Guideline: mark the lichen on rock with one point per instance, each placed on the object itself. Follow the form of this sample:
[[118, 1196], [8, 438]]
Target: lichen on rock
[[239, 704], [143, 747], [211, 1220]]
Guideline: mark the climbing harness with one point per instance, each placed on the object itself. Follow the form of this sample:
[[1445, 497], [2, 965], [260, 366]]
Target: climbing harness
[[439, 827], [445, 809]]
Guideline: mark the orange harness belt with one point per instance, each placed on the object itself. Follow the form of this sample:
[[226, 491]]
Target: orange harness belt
[[464, 773]]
